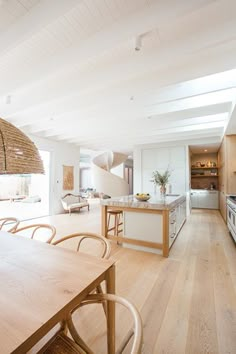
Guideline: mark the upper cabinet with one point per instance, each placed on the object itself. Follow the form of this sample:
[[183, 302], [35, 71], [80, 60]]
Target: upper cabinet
[[161, 158], [227, 170]]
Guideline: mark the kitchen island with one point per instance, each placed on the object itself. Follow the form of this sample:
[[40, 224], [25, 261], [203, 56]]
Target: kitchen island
[[150, 226]]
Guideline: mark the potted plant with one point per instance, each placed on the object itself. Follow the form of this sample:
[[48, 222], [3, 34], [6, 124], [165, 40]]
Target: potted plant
[[161, 180]]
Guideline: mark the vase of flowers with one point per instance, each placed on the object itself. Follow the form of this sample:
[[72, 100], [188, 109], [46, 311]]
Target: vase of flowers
[[163, 190], [161, 179]]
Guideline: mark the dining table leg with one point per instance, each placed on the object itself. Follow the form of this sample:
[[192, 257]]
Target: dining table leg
[[110, 282]]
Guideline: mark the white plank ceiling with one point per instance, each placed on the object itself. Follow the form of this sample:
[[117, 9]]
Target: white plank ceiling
[[69, 70]]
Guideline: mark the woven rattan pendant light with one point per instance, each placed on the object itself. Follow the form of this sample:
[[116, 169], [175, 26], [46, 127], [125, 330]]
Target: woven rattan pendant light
[[18, 154]]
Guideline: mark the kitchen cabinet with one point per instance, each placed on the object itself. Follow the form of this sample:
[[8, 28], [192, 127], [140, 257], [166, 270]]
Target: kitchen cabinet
[[227, 170], [172, 225], [160, 159], [204, 199], [194, 200], [148, 226], [181, 215], [177, 217]]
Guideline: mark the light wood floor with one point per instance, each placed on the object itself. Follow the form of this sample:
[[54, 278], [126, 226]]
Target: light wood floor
[[187, 302]]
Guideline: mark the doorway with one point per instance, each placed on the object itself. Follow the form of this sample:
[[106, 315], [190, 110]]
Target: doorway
[[26, 196], [128, 176]]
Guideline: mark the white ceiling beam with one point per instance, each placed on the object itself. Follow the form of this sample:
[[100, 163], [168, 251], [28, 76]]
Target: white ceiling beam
[[223, 96], [209, 113], [76, 132], [190, 128], [174, 123], [231, 126], [209, 140], [117, 144], [219, 108], [157, 14], [149, 85], [210, 83], [134, 138], [173, 116], [142, 139], [68, 106]]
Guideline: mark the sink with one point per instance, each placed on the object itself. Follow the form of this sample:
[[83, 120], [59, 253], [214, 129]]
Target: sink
[[172, 195]]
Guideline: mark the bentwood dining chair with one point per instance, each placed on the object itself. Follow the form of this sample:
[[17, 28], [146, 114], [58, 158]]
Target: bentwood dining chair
[[88, 243], [9, 224], [61, 343], [40, 232]]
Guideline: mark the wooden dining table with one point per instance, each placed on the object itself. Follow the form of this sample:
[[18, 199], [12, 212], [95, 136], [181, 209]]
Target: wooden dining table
[[40, 283]]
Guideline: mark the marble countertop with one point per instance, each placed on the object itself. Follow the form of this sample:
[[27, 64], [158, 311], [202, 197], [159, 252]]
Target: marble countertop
[[169, 202]]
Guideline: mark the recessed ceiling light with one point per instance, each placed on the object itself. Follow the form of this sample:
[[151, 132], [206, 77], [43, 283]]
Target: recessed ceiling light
[[131, 98]]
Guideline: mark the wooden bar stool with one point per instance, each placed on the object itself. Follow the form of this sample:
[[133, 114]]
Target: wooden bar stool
[[117, 221]]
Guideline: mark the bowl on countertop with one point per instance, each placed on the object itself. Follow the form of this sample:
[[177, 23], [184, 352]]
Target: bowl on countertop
[[142, 197]]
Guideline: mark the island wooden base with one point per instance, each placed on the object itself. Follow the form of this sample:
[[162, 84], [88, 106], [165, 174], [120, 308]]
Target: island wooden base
[[163, 246]]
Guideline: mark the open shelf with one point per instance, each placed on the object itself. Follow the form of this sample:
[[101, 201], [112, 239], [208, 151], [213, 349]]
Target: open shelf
[[207, 175], [200, 176], [204, 168]]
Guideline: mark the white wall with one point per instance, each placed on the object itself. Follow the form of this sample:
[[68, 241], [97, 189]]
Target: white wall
[[61, 154]]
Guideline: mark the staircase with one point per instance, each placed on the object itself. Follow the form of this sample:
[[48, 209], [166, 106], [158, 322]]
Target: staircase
[[104, 180]]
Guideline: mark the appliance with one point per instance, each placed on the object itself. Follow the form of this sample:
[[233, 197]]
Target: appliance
[[231, 215]]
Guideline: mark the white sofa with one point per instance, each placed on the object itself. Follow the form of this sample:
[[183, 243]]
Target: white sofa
[[72, 202]]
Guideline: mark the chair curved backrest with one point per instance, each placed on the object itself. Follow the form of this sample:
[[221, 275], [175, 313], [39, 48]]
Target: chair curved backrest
[[9, 224], [41, 232], [136, 333], [82, 236]]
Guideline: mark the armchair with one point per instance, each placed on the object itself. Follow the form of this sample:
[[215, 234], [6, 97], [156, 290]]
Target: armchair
[[72, 202]]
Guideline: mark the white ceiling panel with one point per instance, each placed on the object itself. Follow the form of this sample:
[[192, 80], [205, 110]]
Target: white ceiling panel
[[12, 10], [71, 72]]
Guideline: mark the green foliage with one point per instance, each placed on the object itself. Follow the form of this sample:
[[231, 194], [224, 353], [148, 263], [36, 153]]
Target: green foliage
[[161, 179]]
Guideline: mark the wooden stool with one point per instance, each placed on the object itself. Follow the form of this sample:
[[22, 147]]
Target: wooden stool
[[117, 221]]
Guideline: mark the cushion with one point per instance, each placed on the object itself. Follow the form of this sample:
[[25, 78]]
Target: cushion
[[105, 196], [77, 205], [32, 199], [70, 199]]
